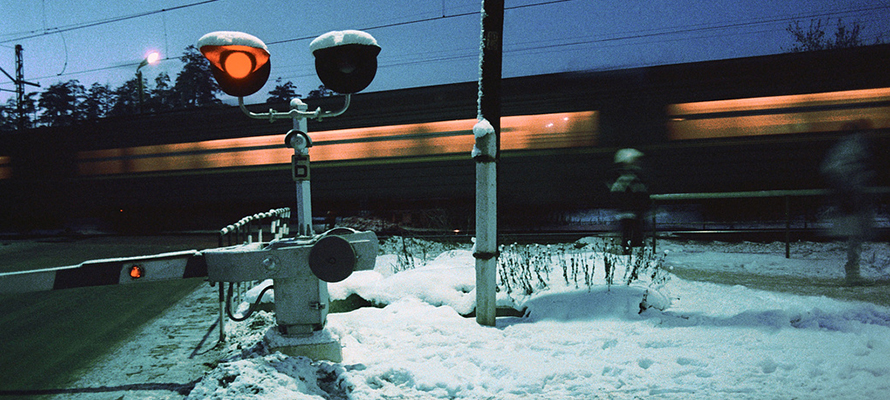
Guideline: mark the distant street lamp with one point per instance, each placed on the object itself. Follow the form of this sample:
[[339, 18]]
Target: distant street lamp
[[151, 58]]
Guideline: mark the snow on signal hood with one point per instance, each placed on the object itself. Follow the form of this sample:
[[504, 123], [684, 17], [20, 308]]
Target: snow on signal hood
[[228, 38], [339, 38]]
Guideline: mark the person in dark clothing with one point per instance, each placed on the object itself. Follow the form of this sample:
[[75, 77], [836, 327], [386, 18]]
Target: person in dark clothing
[[847, 170], [630, 197]]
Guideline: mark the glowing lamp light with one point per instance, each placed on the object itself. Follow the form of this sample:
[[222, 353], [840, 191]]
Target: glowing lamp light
[[137, 272], [239, 61], [153, 57]]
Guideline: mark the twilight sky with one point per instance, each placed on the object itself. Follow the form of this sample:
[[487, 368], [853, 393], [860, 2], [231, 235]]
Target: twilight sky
[[425, 42]]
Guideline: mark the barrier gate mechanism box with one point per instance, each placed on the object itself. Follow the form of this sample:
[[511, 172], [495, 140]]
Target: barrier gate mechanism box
[[300, 269]]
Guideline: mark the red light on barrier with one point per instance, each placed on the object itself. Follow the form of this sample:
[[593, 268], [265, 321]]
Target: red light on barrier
[[137, 272]]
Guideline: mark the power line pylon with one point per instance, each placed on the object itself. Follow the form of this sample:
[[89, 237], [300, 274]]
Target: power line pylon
[[20, 83]]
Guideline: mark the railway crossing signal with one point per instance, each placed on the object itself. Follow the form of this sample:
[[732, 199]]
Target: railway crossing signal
[[300, 267], [346, 62]]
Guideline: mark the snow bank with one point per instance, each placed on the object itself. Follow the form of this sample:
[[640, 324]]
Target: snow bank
[[274, 376], [713, 341], [449, 279]]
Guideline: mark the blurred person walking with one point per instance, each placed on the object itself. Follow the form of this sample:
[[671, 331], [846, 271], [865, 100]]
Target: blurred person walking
[[630, 197], [847, 169]]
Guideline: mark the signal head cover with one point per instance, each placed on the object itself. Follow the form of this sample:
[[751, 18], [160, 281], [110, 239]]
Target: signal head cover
[[345, 61], [239, 61]]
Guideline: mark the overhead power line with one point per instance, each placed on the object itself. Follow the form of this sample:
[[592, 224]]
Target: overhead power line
[[535, 47], [422, 20], [55, 30]]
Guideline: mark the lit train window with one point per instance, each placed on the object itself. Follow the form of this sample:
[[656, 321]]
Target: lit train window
[[817, 112], [5, 167], [415, 142]]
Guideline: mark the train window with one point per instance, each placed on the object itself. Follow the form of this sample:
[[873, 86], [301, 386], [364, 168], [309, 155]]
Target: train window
[[816, 112], [5, 167]]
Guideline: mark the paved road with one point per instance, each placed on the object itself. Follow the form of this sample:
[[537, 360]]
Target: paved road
[[47, 339]]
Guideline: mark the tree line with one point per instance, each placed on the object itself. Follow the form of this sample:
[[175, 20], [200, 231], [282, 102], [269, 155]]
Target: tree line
[[69, 103]]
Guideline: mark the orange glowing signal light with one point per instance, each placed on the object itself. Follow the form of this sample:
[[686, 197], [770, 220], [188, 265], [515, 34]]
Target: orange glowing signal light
[[137, 272], [240, 62], [238, 65], [236, 61]]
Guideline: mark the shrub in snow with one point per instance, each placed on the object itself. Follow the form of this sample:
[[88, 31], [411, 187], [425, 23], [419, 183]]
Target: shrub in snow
[[525, 269], [412, 252]]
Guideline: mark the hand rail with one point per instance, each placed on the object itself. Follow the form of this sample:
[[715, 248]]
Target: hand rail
[[787, 194], [755, 194]]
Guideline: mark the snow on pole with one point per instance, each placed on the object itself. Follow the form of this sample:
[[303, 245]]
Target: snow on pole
[[485, 153]]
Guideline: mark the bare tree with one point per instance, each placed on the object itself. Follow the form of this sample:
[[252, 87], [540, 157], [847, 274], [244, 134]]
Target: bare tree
[[814, 37]]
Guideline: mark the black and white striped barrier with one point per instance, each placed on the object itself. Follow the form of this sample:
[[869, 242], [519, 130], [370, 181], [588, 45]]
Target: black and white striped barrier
[[112, 271], [299, 267]]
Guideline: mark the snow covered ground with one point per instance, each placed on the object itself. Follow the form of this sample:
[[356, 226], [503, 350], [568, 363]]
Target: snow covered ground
[[580, 341]]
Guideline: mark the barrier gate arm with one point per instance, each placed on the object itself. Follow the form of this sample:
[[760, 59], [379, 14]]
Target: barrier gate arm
[[331, 257], [111, 271], [299, 267]]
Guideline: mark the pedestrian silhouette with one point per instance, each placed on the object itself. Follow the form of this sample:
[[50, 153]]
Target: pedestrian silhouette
[[847, 169], [630, 198]]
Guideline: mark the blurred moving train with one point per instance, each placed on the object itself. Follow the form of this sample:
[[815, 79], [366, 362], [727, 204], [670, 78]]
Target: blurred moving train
[[759, 123]]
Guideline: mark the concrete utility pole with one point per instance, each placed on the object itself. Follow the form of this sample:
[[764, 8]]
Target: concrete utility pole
[[486, 155]]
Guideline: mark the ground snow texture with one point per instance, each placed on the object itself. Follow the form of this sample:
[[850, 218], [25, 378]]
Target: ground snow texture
[[713, 341]]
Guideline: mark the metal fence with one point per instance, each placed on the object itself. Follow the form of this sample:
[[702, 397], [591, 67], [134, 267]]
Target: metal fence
[[242, 231], [783, 208], [249, 230]]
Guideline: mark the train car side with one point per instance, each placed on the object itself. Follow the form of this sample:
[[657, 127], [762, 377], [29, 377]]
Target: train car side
[[757, 123]]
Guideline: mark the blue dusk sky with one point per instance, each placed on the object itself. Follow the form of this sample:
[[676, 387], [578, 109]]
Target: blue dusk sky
[[425, 42]]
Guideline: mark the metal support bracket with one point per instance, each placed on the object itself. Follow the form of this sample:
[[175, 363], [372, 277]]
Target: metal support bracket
[[273, 115]]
